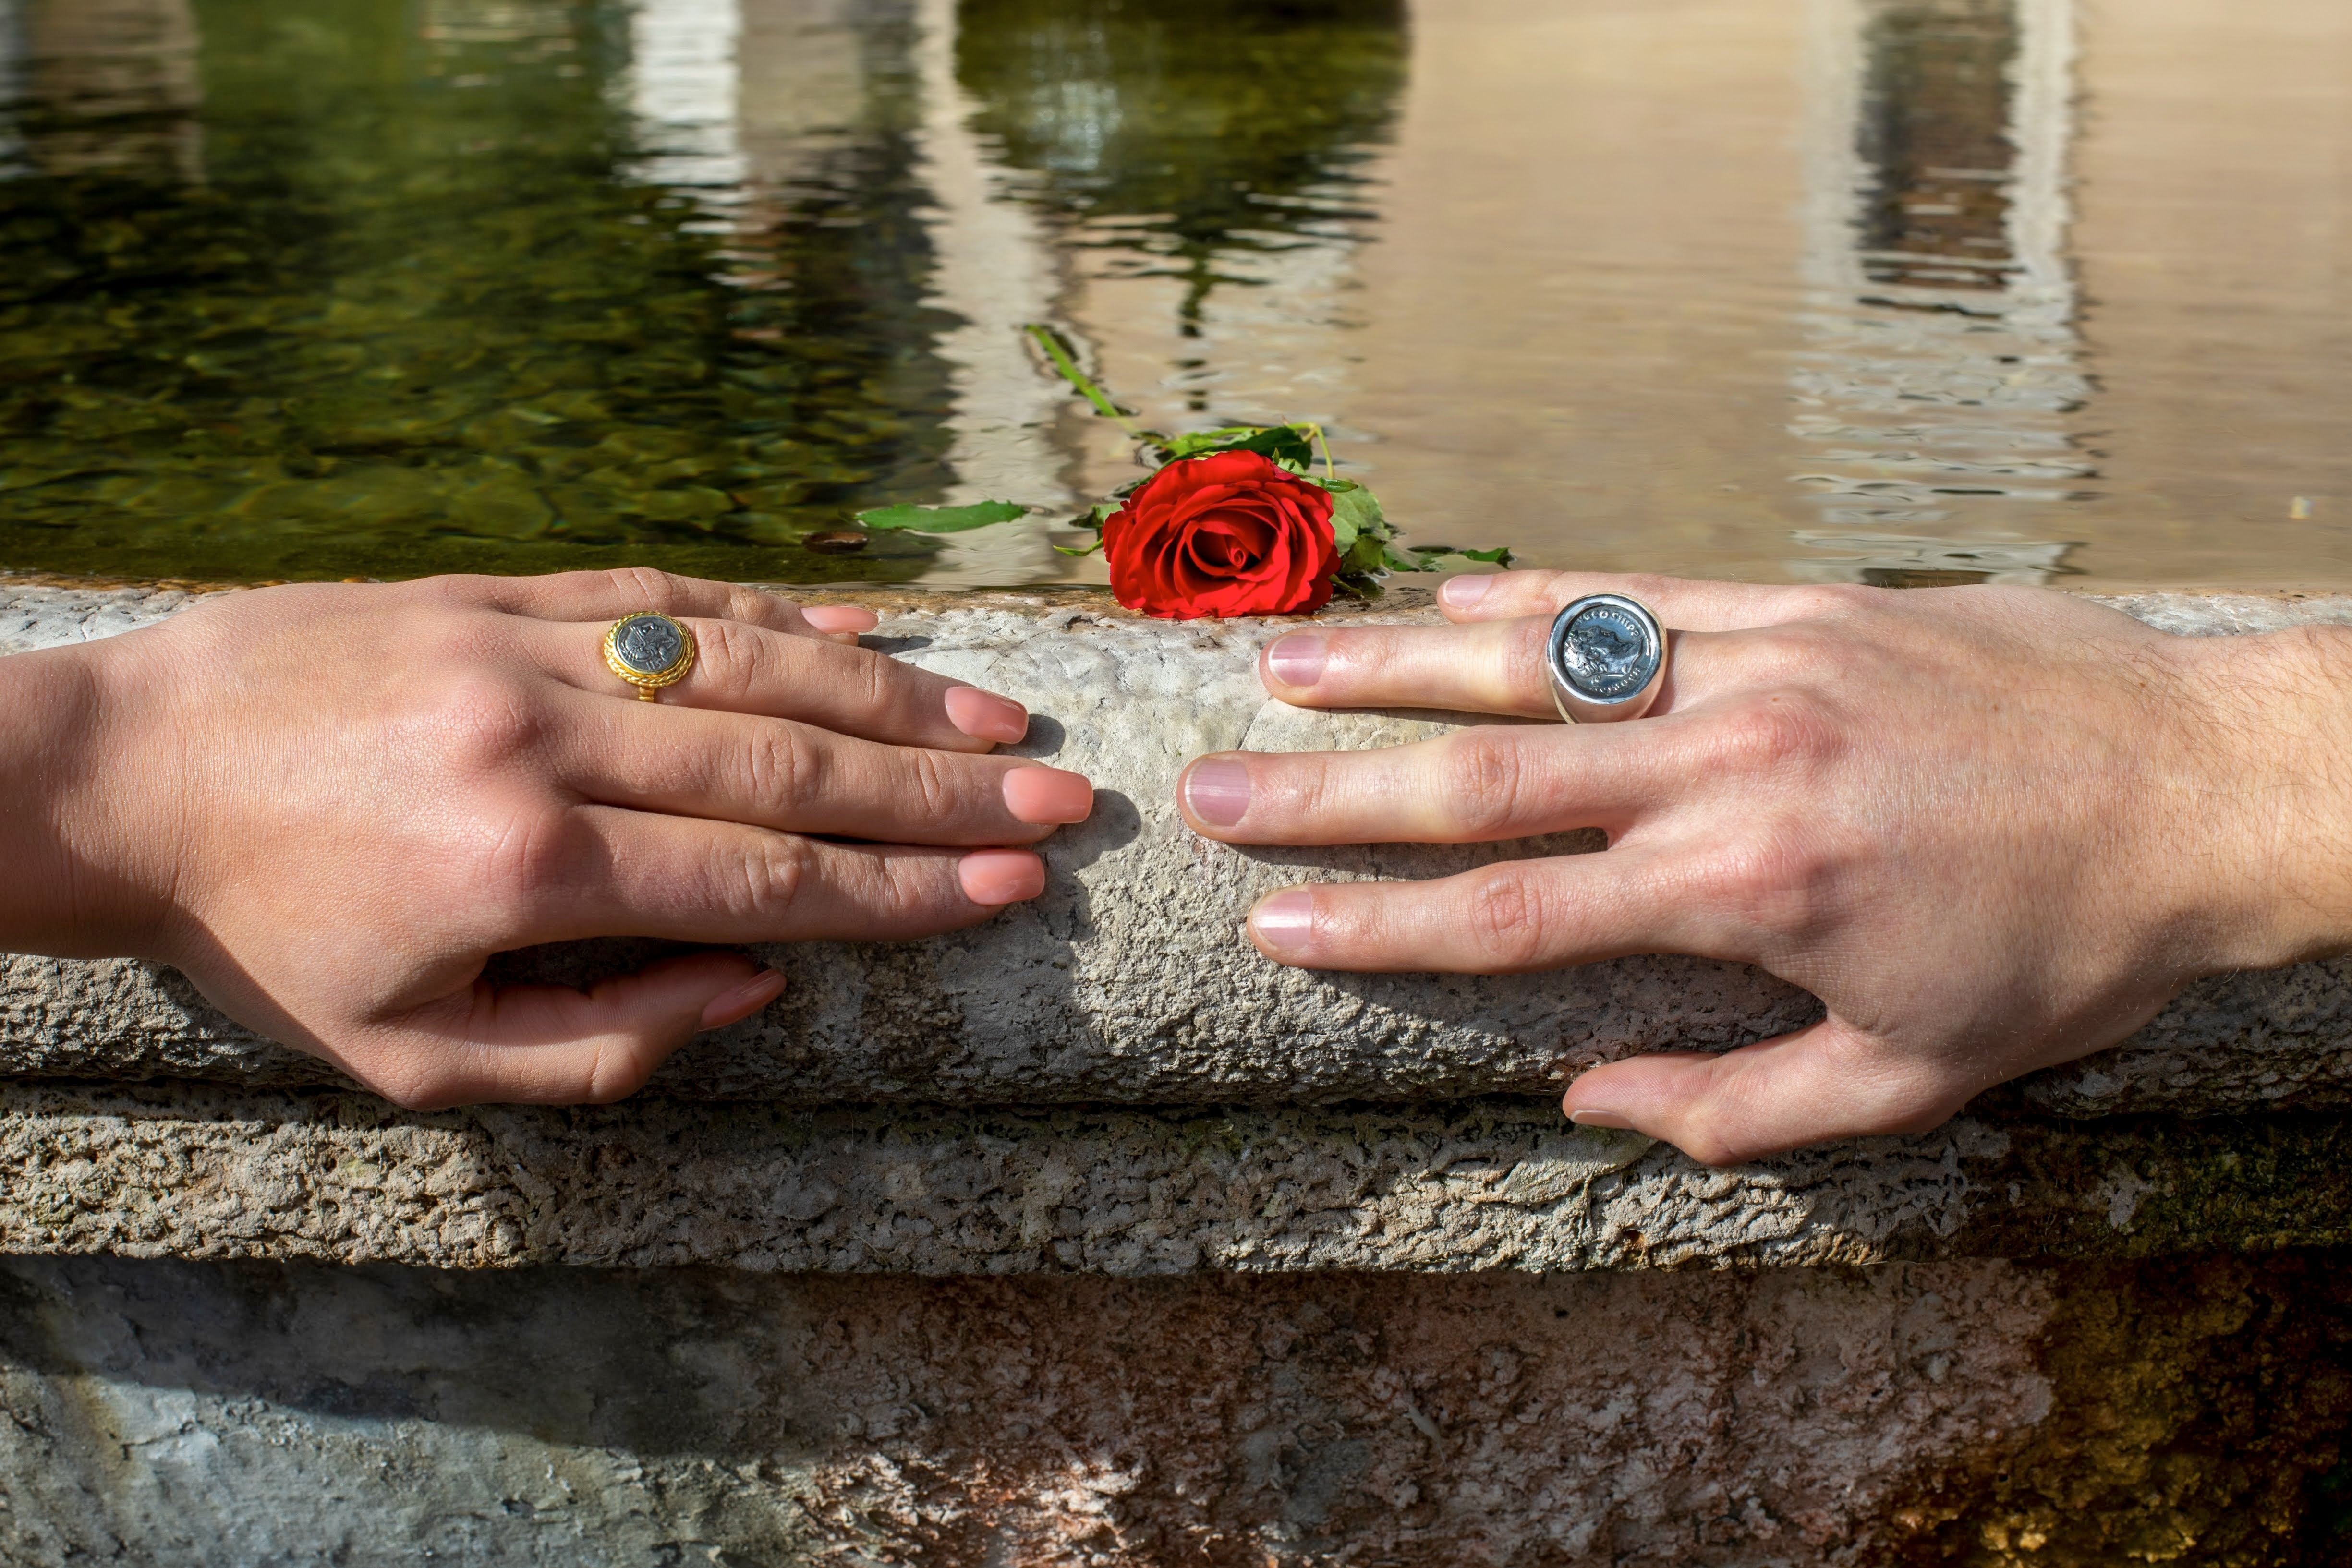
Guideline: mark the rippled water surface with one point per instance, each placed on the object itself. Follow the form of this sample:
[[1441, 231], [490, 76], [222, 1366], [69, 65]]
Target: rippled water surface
[[1888, 290]]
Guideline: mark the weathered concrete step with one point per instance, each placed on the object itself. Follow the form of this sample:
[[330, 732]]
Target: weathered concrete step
[[1129, 980], [191, 1172], [2069, 1416]]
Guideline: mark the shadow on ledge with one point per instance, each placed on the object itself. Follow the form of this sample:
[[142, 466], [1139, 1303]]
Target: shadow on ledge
[[173, 1412]]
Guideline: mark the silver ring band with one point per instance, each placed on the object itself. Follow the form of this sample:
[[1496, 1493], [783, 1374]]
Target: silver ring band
[[1606, 656]]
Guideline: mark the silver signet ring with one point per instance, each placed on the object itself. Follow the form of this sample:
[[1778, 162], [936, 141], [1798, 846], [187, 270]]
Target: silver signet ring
[[1607, 658]]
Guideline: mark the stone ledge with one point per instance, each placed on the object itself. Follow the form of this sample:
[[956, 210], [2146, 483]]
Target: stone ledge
[[2076, 1416], [207, 1173], [186, 1414], [1128, 982]]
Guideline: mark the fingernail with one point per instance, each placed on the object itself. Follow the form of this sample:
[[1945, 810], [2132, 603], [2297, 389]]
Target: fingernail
[[1001, 876], [1042, 795], [1462, 592], [984, 715], [743, 1000], [1592, 1118], [1217, 788], [839, 618], [1285, 921], [1297, 660]]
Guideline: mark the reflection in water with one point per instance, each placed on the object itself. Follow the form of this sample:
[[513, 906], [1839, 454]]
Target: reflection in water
[[1205, 167], [412, 321], [1944, 363], [1188, 142], [100, 86], [682, 86], [993, 270], [13, 95], [330, 286]]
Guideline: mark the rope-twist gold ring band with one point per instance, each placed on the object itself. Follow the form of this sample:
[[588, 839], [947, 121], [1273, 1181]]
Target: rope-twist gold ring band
[[649, 651]]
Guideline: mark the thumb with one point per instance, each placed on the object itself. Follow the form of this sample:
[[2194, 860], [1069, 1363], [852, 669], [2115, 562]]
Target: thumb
[[556, 1045], [1829, 1080]]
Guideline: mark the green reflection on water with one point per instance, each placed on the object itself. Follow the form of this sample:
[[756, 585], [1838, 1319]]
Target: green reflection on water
[[407, 319], [1223, 127], [330, 287]]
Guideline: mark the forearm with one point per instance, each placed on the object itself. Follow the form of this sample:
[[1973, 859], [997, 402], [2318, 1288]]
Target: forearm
[[67, 886], [2284, 706]]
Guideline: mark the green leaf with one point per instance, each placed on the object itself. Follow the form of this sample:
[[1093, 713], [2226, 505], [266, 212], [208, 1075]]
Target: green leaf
[[1200, 443], [1432, 554], [943, 519], [1362, 584], [1059, 352], [1355, 513], [1289, 445]]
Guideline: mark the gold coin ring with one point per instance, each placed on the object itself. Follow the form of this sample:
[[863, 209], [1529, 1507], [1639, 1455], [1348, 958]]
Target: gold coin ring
[[649, 651]]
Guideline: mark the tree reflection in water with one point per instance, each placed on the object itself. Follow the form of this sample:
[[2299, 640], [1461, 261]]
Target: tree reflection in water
[[1190, 142]]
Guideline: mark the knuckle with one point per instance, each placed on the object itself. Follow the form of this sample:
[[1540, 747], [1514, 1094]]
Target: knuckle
[[730, 658], [1479, 783], [905, 889], [1525, 641], [653, 588], [1838, 601], [1801, 655], [1777, 881], [879, 678], [1524, 656], [484, 724], [1364, 653], [613, 1073], [453, 588], [530, 862], [1782, 730], [780, 767], [756, 606], [1293, 788], [926, 788], [1710, 1147], [775, 873], [411, 1079], [1649, 587], [1925, 1117], [1502, 910]]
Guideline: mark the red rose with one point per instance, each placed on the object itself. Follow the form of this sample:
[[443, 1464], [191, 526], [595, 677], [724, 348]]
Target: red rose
[[1230, 534]]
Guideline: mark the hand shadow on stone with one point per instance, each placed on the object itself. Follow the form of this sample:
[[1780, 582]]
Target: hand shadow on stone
[[933, 1019]]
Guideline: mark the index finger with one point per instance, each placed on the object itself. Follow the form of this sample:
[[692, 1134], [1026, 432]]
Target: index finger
[[751, 670], [1683, 604], [1503, 919], [625, 591], [1477, 785]]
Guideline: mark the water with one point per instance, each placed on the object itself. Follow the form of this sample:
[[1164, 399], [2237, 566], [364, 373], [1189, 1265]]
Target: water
[[1887, 290]]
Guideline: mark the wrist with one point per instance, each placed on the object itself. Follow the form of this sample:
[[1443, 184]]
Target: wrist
[[2275, 721], [75, 887]]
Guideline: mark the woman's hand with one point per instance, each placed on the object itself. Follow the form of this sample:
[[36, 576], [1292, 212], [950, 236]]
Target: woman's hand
[[329, 805], [1991, 828]]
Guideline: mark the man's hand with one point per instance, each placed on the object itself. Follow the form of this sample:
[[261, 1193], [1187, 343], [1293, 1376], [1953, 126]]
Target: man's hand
[[329, 805], [1992, 828]]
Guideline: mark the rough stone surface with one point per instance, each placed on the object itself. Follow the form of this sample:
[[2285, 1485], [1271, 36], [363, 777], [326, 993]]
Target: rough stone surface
[[194, 1172], [1129, 981], [1985, 1413], [1251, 1325]]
